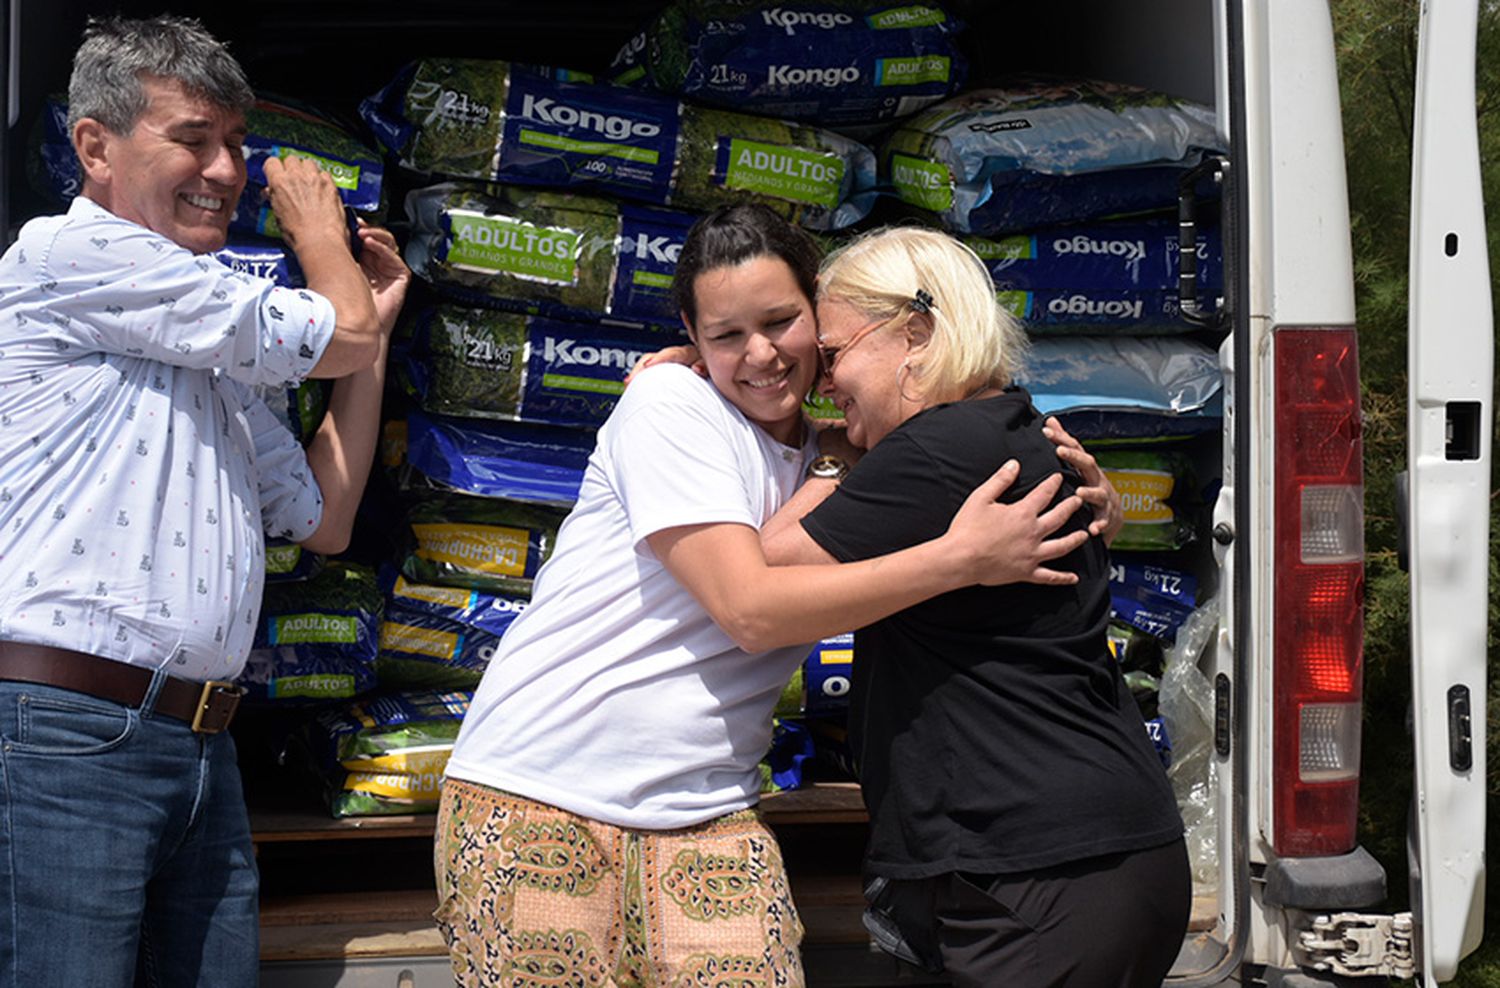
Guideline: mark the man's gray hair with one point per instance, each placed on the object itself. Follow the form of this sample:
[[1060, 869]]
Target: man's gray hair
[[117, 54]]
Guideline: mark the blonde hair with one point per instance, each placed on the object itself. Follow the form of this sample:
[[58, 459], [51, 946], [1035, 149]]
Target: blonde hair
[[975, 343]]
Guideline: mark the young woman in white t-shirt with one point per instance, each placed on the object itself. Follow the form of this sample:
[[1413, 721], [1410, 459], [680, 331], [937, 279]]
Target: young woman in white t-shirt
[[598, 823]]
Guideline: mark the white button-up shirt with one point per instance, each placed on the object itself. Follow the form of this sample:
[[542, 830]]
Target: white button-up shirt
[[138, 470]]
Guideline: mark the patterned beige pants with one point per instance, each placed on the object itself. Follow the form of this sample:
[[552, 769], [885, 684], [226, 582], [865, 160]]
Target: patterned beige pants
[[531, 896]]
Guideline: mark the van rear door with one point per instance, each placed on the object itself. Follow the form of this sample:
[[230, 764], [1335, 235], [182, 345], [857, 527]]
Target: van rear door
[[1451, 367]]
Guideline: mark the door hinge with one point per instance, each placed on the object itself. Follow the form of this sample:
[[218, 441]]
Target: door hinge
[[1357, 944]]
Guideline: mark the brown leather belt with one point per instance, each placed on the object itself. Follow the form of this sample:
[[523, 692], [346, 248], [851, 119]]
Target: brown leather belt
[[208, 707]]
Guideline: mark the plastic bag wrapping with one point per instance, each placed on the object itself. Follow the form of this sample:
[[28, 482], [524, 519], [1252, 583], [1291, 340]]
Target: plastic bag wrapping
[[1187, 706]]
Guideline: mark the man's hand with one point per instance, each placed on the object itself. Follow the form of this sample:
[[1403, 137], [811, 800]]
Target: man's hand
[[388, 274], [306, 202], [311, 218], [686, 354], [1097, 492], [1009, 543]]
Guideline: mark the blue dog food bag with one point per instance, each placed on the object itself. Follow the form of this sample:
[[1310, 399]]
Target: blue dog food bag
[[316, 639], [826, 675], [1124, 388], [517, 461], [434, 637]]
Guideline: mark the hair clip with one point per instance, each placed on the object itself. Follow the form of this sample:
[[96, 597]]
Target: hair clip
[[922, 302]]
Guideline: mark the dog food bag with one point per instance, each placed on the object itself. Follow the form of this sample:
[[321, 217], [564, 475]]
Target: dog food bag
[[1119, 276], [434, 637], [826, 673], [479, 544], [1121, 255], [386, 754], [288, 562], [1157, 491], [834, 63], [317, 638], [512, 460], [551, 253], [484, 363], [1041, 151], [1125, 387]]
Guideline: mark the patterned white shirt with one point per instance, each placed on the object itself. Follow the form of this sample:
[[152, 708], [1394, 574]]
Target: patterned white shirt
[[138, 470]]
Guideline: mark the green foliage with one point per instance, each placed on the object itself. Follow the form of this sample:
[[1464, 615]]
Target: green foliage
[[1377, 47]]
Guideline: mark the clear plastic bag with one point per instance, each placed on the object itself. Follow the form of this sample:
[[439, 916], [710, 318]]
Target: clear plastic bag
[[1186, 703]]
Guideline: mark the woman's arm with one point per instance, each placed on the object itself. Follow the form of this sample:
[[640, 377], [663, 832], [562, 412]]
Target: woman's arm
[[786, 543], [762, 607], [343, 448]]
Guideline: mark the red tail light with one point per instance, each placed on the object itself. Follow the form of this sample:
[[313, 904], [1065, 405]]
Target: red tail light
[[1319, 595]]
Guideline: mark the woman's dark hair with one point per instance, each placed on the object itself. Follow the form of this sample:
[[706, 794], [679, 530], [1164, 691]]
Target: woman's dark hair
[[732, 235]]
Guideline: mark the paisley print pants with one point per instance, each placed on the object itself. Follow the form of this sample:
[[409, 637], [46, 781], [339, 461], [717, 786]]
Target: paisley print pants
[[531, 896]]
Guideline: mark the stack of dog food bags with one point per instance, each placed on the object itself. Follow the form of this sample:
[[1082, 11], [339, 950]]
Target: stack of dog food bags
[[384, 754]]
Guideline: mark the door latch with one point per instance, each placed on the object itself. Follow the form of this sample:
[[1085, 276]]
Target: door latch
[[1355, 944]]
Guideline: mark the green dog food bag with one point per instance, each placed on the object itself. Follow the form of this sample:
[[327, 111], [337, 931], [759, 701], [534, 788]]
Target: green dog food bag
[[1157, 493], [552, 253], [479, 544]]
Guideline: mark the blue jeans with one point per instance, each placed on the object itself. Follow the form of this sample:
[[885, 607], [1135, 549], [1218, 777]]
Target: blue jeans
[[125, 854]]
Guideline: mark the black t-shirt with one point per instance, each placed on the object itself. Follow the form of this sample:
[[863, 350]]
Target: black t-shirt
[[990, 726]]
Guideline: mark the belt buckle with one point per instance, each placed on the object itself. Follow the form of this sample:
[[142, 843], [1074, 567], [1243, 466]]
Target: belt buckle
[[211, 689]]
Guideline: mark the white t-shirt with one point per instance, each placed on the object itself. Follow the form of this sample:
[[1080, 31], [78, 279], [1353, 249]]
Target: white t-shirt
[[614, 695]]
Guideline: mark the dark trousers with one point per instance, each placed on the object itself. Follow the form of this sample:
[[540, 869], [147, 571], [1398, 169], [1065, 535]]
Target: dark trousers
[[1115, 921]]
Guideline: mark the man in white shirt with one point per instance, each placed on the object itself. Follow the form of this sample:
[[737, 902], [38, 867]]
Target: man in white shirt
[[139, 475]]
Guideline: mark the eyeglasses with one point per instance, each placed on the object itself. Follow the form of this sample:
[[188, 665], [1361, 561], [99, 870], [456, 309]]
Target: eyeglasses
[[829, 355]]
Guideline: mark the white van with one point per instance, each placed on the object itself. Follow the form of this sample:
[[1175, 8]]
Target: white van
[[1297, 902]]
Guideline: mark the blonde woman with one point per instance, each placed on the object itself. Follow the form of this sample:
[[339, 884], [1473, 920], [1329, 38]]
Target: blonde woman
[[1022, 829]]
